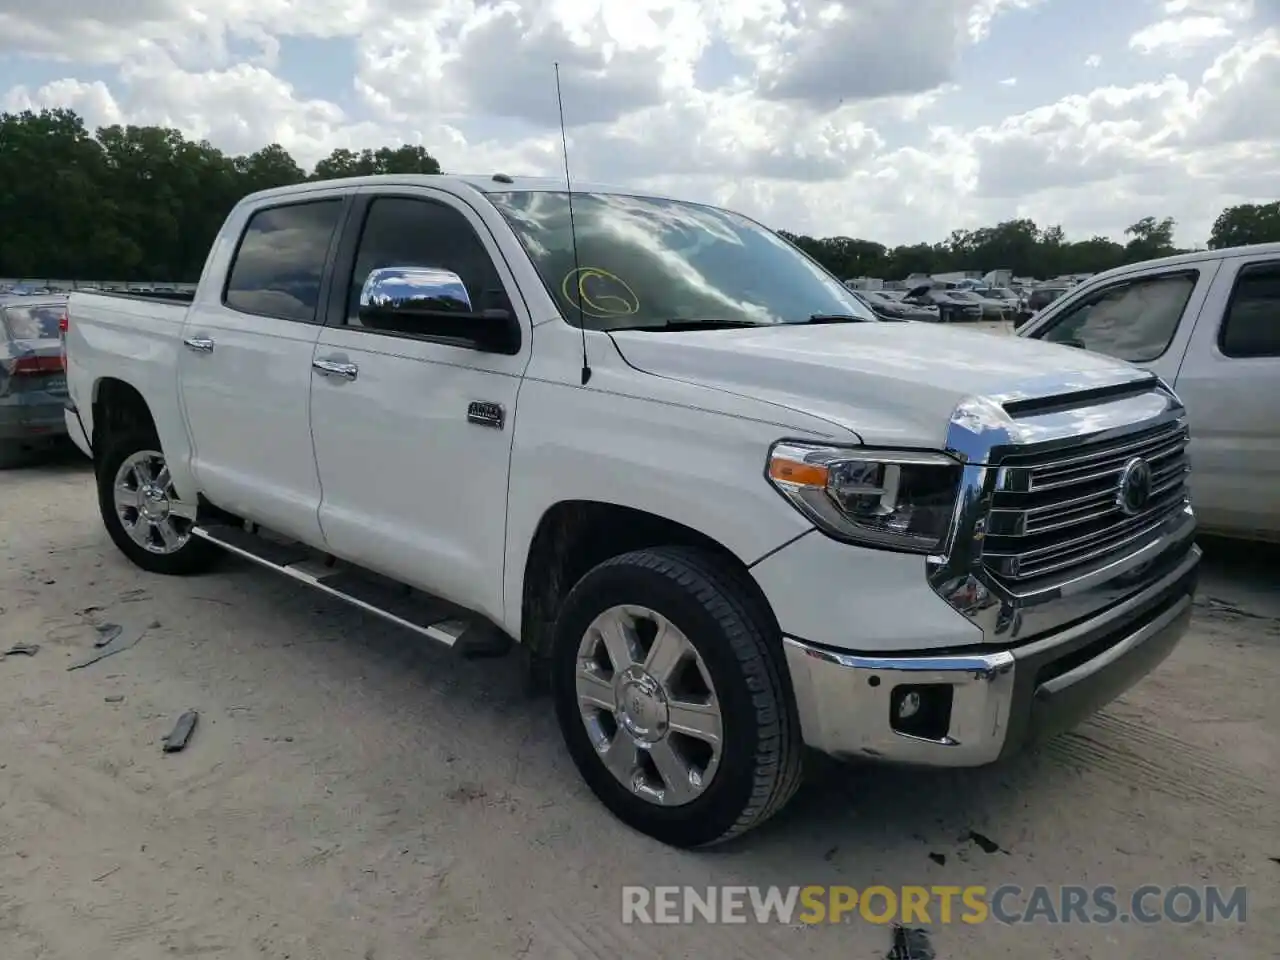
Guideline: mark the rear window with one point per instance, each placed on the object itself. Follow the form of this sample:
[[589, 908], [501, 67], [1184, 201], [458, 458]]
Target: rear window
[[34, 322], [281, 259], [1252, 325]]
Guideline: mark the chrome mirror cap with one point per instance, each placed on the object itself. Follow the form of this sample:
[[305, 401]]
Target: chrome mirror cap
[[420, 288]]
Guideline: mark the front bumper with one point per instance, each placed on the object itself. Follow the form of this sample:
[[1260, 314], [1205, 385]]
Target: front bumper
[[1000, 700]]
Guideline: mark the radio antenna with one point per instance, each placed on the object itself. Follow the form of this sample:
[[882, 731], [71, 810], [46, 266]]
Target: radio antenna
[[573, 234]]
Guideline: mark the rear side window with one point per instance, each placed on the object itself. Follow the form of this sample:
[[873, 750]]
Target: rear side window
[[1252, 324], [33, 323], [1134, 320], [281, 258]]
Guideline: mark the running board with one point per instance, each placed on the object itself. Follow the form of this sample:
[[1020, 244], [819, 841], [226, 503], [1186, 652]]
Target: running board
[[389, 599]]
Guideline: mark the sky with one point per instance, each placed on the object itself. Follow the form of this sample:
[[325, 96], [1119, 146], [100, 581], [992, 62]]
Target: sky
[[890, 120]]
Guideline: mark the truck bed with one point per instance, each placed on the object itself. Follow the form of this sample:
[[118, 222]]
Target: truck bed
[[171, 296]]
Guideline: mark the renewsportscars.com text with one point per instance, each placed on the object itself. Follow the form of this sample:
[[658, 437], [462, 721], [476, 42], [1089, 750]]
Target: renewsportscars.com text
[[1007, 904]]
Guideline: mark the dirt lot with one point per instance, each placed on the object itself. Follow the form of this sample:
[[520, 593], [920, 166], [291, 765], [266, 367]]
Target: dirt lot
[[350, 792]]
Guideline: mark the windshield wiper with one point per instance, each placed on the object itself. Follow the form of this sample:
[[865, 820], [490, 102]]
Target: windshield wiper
[[680, 324], [836, 318]]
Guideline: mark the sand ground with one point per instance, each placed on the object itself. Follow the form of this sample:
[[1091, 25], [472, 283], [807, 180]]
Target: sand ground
[[350, 792]]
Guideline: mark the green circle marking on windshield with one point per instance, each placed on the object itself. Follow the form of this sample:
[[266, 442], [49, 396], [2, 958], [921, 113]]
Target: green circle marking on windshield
[[599, 293]]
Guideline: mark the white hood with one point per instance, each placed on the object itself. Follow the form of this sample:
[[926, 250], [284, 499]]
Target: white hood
[[890, 383]]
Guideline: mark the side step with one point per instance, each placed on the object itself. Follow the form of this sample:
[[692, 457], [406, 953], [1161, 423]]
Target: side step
[[389, 599]]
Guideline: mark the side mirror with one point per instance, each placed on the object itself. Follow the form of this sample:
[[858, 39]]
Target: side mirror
[[431, 302]]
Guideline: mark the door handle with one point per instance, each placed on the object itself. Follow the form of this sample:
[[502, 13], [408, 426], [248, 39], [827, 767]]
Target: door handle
[[199, 344], [336, 368]]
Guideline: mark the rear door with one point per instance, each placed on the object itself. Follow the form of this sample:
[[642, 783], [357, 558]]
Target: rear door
[[245, 372], [33, 382], [1230, 382]]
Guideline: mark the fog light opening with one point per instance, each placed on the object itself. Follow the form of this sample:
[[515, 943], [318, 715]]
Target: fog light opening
[[922, 710]]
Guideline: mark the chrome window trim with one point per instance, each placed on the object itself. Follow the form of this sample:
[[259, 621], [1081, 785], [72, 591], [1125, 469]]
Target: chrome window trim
[[982, 433]]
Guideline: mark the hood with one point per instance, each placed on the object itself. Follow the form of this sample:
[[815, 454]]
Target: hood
[[890, 383]]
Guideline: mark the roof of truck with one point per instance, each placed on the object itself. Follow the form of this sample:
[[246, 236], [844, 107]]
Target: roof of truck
[[1195, 256], [461, 183]]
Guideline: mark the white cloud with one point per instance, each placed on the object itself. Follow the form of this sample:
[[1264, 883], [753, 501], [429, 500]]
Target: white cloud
[[820, 116], [1179, 35]]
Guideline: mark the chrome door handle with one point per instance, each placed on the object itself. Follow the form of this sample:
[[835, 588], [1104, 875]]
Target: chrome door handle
[[199, 344], [336, 368]]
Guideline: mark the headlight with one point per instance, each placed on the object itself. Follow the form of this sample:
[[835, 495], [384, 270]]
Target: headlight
[[893, 499]]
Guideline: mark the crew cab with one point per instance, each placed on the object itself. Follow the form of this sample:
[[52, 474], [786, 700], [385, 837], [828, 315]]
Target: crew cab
[[715, 504], [1208, 323]]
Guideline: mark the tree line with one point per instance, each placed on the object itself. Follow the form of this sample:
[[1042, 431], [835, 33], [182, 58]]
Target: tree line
[[144, 203]]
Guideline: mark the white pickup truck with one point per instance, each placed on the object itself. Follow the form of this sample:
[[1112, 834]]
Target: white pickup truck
[[724, 510], [1208, 323]]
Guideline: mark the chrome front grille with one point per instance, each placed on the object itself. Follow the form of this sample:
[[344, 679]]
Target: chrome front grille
[[1053, 513]]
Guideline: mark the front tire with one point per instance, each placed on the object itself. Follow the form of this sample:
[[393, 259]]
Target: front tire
[[673, 698], [143, 514]]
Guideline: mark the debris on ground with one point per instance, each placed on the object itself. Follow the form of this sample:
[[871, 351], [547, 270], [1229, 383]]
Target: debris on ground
[[122, 641], [910, 943], [986, 844], [21, 649], [114, 698], [106, 633], [939, 858], [177, 738]]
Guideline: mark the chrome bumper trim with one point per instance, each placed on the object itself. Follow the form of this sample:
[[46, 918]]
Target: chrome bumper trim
[[999, 701]]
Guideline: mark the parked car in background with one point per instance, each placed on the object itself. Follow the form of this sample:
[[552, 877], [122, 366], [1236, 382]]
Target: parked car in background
[[951, 308], [1037, 300], [887, 308], [1012, 300], [1209, 324], [992, 309], [725, 510], [33, 381]]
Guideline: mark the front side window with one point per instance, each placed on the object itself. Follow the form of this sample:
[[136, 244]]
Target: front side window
[[410, 232], [644, 262], [38, 322], [1133, 320], [282, 255], [1251, 327]]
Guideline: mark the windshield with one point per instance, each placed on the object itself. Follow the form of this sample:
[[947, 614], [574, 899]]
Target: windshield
[[643, 261]]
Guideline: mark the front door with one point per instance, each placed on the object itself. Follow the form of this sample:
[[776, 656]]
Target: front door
[[414, 479], [245, 368], [1230, 382]]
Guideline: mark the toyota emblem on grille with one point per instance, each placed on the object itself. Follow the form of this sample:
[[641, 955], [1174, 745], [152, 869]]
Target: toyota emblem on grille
[[1134, 490]]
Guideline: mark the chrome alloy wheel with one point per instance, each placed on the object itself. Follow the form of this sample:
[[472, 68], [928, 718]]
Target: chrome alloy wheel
[[649, 706], [148, 506]]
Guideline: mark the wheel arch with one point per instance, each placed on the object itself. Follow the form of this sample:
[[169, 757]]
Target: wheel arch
[[573, 536], [117, 407]]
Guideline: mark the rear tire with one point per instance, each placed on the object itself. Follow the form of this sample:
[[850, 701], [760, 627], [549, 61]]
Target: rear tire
[[142, 513], [730, 655]]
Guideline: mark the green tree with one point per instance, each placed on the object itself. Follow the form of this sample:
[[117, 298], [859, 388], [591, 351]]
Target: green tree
[[346, 163], [144, 203], [1246, 223], [1150, 238]]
